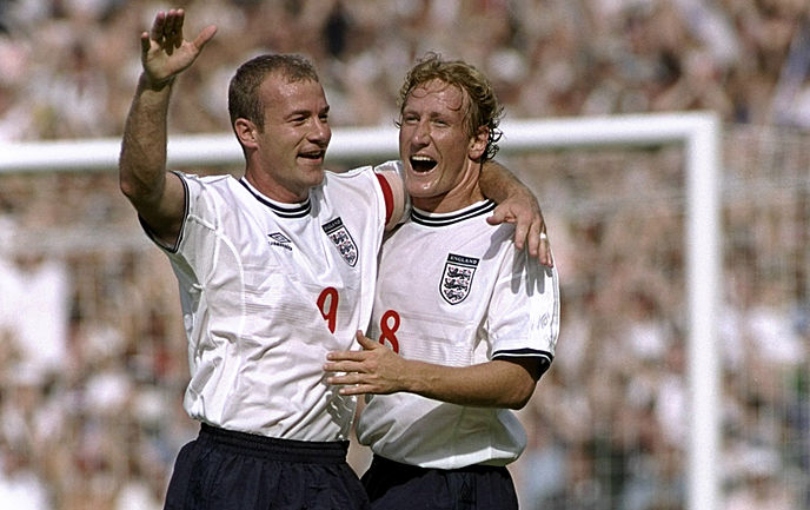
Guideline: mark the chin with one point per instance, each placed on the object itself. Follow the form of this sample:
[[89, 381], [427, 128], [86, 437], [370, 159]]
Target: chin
[[317, 179], [420, 192], [418, 184]]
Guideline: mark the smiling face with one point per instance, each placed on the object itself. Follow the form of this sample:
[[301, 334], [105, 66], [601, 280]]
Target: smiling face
[[440, 156], [285, 157]]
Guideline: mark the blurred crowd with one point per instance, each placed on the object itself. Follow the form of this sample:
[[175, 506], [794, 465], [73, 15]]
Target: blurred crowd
[[68, 67], [92, 353], [610, 425]]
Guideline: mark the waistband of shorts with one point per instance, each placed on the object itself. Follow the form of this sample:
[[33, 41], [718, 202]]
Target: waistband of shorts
[[380, 462], [273, 448]]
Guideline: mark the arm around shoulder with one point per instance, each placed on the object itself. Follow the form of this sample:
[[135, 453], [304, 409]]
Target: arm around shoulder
[[397, 201], [518, 205]]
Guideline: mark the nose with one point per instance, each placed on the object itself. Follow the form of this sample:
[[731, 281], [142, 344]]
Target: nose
[[421, 133], [321, 132]]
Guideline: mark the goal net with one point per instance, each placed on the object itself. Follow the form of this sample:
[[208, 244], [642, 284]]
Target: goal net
[[679, 378]]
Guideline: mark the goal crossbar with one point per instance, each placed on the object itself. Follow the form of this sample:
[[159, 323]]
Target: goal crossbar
[[698, 133]]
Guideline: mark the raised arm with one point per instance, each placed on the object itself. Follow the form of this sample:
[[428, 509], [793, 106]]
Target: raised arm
[[518, 205], [143, 179], [379, 370]]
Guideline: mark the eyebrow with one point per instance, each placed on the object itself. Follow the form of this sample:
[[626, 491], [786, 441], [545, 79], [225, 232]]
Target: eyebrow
[[306, 112]]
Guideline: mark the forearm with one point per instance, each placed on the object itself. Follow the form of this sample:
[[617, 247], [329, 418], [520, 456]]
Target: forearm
[[495, 383], [380, 371], [142, 163], [499, 184]]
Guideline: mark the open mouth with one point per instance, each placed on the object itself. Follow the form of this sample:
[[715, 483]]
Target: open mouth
[[422, 164], [313, 155]]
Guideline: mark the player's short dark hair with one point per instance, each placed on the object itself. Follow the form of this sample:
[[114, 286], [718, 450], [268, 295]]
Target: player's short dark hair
[[243, 93], [484, 109]]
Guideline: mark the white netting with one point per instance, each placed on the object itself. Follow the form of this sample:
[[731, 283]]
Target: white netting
[[96, 417]]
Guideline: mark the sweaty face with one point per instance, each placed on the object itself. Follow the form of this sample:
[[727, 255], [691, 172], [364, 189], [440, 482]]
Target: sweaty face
[[292, 145], [436, 149]]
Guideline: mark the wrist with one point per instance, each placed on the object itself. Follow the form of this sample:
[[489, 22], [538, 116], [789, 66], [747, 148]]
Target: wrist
[[154, 84], [415, 377]]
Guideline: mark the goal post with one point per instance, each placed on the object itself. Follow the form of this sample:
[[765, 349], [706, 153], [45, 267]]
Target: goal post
[[699, 134]]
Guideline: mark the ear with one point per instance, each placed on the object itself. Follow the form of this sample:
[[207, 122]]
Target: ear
[[478, 144], [246, 132]]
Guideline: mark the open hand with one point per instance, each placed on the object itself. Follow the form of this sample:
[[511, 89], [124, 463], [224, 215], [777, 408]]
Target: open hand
[[376, 369], [164, 52], [530, 228]]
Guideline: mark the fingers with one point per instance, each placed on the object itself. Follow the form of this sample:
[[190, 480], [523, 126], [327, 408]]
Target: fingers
[[365, 343], [167, 30], [545, 256], [522, 230], [165, 54], [348, 384], [536, 241], [174, 27], [349, 389], [356, 383], [342, 365], [497, 217], [540, 246], [535, 235], [528, 234], [345, 356], [159, 27], [205, 35], [146, 43], [340, 359], [527, 231], [349, 376]]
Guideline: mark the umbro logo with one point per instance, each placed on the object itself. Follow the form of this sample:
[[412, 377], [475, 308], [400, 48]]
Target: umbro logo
[[280, 240]]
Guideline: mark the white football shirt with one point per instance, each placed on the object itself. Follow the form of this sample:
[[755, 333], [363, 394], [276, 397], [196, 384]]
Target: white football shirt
[[453, 290], [267, 289]]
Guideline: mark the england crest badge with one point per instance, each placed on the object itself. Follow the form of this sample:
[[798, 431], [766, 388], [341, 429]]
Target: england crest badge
[[457, 278], [342, 239]]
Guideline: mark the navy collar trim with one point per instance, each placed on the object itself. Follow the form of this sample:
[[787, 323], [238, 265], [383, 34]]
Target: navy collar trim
[[443, 219], [280, 209]]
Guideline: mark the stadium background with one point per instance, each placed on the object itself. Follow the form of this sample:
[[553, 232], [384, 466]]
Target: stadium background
[[93, 358]]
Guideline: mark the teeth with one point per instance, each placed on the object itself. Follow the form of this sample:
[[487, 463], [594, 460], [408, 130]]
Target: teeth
[[422, 164]]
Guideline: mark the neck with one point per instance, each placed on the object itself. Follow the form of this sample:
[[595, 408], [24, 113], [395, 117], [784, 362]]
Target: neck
[[465, 193], [273, 190], [454, 200]]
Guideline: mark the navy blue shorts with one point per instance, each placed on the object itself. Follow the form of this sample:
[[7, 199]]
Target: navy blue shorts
[[226, 470], [394, 486]]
